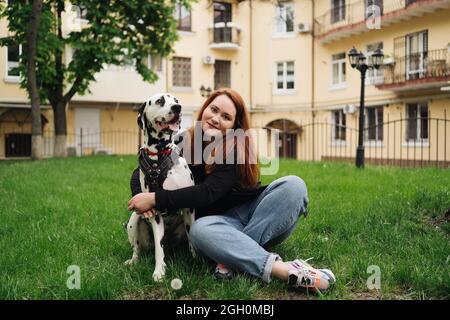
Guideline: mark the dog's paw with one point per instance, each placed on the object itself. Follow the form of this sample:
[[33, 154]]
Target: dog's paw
[[158, 275], [130, 262], [160, 271]]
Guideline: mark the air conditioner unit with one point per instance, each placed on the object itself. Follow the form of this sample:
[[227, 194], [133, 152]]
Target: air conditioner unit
[[349, 109], [208, 60], [304, 27]]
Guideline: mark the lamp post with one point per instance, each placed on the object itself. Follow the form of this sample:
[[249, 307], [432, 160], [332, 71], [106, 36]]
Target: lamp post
[[358, 61], [205, 92]]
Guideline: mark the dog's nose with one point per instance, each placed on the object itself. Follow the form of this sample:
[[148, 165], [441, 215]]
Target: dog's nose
[[176, 108]]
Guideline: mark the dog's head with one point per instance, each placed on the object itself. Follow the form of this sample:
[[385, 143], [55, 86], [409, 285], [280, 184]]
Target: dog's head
[[160, 114]]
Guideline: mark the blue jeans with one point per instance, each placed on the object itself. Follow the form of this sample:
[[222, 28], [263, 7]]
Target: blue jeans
[[239, 236]]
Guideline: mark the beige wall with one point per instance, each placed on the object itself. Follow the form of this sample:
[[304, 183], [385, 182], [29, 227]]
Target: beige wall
[[253, 76], [269, 49]]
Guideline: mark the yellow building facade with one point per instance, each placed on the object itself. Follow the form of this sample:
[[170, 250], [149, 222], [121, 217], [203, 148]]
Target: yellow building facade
[[290, 63]]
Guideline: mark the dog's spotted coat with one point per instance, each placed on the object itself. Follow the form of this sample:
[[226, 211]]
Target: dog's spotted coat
[[160, 119]]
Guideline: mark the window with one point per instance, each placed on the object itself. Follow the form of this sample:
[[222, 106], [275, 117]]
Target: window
[[337, 10], [374, 123], [416, 54], [339, 125], [374, 76], [369, 4], [181, 72], [338, 70], [13, 58], [284, 18], [417, 121], [222, 14], [285, 79], [155, 63], [183, 17], [222, 74]]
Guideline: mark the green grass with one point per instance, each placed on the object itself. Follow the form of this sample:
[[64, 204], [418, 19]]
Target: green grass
[[61, 212]]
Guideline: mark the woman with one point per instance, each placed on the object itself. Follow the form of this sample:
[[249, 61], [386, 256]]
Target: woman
[[236, 217]]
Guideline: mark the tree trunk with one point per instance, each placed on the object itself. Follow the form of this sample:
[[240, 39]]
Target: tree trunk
[[58, 101], [36, 131], [59, 112]]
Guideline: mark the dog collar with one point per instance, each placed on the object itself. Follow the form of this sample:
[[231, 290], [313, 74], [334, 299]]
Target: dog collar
[[165, 152]]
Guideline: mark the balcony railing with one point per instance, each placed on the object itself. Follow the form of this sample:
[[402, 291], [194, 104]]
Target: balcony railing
[[351, 19], [225, 35], [417, 69]]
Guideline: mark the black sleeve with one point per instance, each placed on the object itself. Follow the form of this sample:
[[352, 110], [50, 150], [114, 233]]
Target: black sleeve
[[215, 186], [135, 183]]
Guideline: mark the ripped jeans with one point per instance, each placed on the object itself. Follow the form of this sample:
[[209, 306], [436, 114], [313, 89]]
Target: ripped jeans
[[238, 237]]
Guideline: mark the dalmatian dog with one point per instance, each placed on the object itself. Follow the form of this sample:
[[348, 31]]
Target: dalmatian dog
[[160, 165]]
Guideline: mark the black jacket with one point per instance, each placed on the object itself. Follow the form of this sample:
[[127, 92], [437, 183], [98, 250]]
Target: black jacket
[[212, 194]]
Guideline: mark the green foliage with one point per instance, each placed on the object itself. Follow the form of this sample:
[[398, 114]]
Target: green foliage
[[116, 33]]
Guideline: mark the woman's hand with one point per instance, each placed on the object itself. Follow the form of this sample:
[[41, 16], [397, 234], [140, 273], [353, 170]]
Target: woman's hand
[[142, 203]]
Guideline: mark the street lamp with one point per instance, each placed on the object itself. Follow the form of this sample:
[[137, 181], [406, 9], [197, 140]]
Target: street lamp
[[205, 92], [358, 61]]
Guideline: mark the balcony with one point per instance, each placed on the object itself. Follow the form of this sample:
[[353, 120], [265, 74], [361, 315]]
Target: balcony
[[225, 36], [423, 70], [352, 19]]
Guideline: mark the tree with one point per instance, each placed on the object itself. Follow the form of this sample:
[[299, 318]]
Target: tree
[[36, 131], [116, 32]]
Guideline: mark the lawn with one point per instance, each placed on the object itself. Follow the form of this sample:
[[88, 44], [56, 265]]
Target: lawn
[[62, 212]]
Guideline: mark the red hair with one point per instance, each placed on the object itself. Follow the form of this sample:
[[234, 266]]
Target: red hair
[[248, 168]]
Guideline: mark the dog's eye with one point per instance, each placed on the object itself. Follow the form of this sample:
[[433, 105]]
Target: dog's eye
[[161, 101]]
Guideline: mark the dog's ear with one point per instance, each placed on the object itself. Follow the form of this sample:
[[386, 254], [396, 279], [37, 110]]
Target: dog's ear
[[141, 112]]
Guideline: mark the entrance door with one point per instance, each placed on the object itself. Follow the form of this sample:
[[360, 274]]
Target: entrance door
[[18, 145], [87, 121]]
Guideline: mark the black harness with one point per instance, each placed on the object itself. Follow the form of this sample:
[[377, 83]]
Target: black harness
[[155, 171]]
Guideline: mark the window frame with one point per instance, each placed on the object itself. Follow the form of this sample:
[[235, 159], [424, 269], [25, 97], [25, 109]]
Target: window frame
[[284, 90], [340, 121], [8, 77], [378, 125], [341, 9], [418, 124], [178, 12], [173, 75], [281, 19], [342, 72]]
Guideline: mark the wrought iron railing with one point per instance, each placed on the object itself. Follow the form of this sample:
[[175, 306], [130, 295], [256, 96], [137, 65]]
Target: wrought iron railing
[[81, 143], [356, 12], [398, 142], [225, 33], [406, 142], [433, 64]]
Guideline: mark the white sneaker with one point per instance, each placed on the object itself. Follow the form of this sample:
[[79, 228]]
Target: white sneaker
[[301, 274]]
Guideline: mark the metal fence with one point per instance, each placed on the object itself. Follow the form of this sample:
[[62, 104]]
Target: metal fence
[[412, 142], [17, 143]]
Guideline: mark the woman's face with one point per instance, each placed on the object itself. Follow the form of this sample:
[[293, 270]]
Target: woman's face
[[219, 116]]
